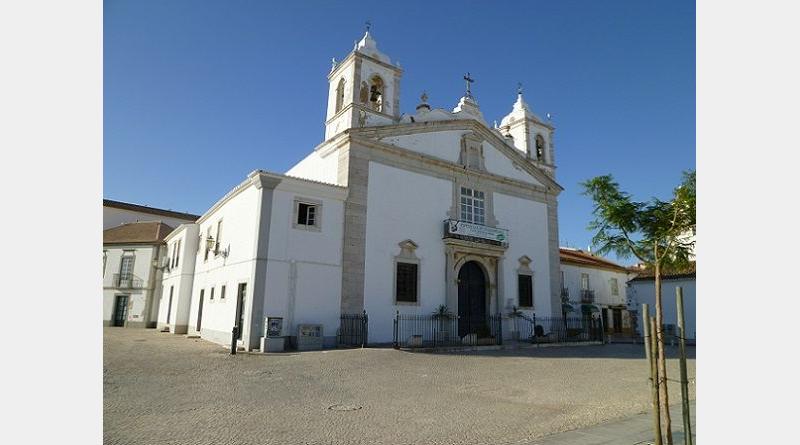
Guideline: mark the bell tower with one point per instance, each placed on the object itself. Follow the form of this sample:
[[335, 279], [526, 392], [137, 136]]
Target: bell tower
[[363, 89], [530, 134]]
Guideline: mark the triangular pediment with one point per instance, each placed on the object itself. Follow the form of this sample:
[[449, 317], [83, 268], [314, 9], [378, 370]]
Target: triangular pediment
[[455, 141]]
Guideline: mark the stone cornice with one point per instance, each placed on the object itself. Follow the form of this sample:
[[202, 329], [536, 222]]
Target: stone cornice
[[339, 66], [449, 169], [383, 131]]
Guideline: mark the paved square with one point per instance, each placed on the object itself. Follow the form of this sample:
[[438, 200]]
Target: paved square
[[166, 389]]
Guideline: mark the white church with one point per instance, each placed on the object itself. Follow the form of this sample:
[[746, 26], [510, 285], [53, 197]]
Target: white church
[[390, 213]]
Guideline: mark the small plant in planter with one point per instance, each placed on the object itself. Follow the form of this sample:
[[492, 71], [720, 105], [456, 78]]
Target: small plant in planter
[[443, 314], [515, 314]]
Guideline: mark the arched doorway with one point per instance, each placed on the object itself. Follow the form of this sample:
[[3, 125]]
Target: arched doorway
[[471, 298]]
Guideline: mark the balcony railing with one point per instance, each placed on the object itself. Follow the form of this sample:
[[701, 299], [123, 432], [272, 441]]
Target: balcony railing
[[127, 281], [475, 232], [587, 296]]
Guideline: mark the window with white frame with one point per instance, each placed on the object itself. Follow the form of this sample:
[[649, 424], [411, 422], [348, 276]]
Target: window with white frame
[[473, 206], [222, 292], [205, 243], [218, 244], [177, 252], [307, 214], [584, 281], [614, 287], [211, 297]]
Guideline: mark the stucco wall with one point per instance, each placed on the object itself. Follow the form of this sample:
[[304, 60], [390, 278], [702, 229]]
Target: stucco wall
[[318, 168], [644, 292], [526, 222], [599, 282], [303, 282], [181, 278], [142, 269], [500, 164], [444, 145], [403, 205], [239, 236]]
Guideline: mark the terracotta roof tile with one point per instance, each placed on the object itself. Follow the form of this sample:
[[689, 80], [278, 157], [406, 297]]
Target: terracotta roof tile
[[145, 232], [150, 210], [580, 258]]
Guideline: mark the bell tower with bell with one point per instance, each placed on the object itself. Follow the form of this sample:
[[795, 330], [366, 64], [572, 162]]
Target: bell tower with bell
[[363, 89]]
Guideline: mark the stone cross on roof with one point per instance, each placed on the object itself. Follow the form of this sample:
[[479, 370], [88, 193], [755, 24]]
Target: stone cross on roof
[[469, 81]]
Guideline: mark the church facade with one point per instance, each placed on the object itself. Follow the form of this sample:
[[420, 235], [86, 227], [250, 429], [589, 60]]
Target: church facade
[[392, 213]]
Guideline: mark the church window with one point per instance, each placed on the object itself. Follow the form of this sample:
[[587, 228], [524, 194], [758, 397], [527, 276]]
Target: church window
[[525, 289], [539, 147], [406, 282], [363, 96], [307, 214], [376, 93], [473, 206], [217, 244], [340, 95]]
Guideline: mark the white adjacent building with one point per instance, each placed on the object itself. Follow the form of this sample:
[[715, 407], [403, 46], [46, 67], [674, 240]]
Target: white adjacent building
[[594, 285], [642, 289], [391, 213]]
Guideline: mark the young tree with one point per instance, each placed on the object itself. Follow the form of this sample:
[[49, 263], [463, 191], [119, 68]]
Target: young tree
[[655, 232]]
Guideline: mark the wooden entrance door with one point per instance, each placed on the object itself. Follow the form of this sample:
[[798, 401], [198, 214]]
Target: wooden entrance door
[[240, 308], [120, 310], [471, 298], [617, 314], [200, 309]]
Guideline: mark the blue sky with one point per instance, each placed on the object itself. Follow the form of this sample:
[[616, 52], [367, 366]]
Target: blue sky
[[199, 93]]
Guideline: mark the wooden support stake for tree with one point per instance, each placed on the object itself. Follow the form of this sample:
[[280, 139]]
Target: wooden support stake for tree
[[687, 422], [649, 350]]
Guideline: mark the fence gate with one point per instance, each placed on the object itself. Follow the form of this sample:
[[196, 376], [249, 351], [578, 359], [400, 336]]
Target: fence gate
[[353, 330]]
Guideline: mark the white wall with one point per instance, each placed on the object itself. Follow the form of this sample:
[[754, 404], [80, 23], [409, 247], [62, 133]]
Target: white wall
[[526, 222], [444, 145], [303, 282], [403, 205], [180, 278], [239, 236], [142, 270], [317, 167], [112, 217], [599, 282], [643, 291], [499, 164]]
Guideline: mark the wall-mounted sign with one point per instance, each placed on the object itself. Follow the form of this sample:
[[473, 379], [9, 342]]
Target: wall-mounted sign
[[274, 326], [463, 228]]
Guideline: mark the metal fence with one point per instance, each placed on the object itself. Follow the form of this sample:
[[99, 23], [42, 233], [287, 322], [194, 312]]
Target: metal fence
[[353, 330], [435, 331], [566, 329]]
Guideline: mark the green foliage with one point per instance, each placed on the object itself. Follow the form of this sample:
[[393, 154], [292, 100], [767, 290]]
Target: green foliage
[[442, 312], [652, 231]]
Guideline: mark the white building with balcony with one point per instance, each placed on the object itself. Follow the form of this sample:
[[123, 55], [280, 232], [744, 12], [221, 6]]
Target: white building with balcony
[[391, 213], [132, 256], [596, 286]]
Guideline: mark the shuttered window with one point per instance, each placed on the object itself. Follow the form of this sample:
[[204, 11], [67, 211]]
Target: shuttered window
[[525, 286], [406, 282]]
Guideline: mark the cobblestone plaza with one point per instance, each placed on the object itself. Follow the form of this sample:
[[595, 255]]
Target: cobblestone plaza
[[166, 389]]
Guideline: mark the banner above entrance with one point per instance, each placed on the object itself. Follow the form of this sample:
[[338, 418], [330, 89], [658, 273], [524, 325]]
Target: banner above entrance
[[475, 232]]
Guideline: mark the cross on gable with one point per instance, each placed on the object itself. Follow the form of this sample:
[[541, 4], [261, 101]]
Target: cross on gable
[[469, 82]]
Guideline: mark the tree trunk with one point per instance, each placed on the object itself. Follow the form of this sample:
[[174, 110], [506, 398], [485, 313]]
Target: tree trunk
[[662, 362]]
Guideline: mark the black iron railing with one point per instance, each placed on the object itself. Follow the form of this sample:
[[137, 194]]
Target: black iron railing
[[565, 292], [435, 331], [353, 330], [567, 329], [124, 281]]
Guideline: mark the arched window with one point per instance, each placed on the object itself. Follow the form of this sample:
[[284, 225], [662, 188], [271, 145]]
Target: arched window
[[376, 93], [363, 96], [340, 95], [539, 147]]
